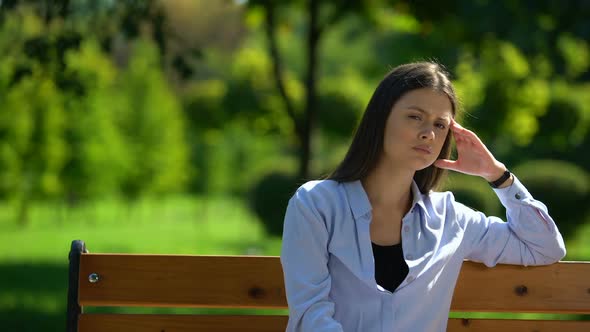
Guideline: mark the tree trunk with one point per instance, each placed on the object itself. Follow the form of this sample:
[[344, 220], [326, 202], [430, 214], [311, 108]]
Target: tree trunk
[[277, 65], [313, 37], [303, 122]]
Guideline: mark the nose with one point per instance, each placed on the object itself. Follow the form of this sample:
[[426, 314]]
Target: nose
[[427, 134]]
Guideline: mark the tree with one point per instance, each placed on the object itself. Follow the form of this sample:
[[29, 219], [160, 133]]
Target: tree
[[33, 149], [526, 80], [320, 16], [77, 124]]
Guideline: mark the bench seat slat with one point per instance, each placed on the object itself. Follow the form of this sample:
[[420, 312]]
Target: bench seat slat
[[181, 323], [509, 325], [212, 323]]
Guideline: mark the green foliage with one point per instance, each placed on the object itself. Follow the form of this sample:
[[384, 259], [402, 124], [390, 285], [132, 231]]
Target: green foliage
[[235, 159], [269, 200], [475, 193], [32, 120], [124, 121], [341, 103], [562, 186], [575, 125], [75, 124], [502, 92], [152, 123], [32, 150], [129, 129], [576, 54], [93, 170]]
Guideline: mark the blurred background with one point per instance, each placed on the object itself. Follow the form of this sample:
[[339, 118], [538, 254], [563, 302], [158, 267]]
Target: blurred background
[[183, 126]]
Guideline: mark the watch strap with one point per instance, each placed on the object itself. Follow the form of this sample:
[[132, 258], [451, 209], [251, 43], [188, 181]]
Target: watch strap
[[502, 179]]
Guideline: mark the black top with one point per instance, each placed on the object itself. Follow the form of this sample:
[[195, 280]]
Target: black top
[[390, 267]]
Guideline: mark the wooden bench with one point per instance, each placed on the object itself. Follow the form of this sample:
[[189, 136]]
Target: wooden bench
[[185, 281]]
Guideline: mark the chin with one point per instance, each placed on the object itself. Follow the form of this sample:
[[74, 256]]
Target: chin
[[421, 166]]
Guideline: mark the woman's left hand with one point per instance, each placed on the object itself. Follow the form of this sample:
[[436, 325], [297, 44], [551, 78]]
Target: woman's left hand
[[473, 157]]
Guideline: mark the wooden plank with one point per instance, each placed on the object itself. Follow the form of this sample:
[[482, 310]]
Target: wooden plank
[[212, 323], [180, 323], [257, 282], [507, 325], [557, 288], [182, 281], [186, 323]]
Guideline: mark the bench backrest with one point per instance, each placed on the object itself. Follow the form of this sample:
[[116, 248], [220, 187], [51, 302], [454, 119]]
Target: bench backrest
[[257, 282]]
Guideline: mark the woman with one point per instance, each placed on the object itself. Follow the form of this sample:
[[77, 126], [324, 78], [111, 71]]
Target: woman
[[373, 248]]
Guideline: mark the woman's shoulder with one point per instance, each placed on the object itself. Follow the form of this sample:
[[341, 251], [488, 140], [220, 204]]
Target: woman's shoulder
[[319, 185], [318, 188], [446, 201], [440, 199]]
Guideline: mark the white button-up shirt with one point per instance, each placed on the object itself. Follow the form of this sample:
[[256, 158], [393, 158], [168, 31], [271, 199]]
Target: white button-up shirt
[[329, 269]]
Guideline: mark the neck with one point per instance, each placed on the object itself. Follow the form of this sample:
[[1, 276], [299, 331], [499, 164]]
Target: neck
[[389, 187]]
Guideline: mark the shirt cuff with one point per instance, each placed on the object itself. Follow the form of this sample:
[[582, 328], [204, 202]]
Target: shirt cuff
[[514, 193]]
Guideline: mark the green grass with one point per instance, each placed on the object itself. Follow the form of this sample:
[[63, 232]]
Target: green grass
[[33, 259], [578, 247], [181, 225]]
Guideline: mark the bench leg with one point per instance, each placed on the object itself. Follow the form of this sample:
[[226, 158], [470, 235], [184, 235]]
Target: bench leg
[[74, 309]]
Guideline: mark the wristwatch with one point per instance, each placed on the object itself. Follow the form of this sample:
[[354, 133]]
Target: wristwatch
[[502, 179]]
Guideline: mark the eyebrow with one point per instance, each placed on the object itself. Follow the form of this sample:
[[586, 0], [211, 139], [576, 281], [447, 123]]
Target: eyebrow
[[419, 109]]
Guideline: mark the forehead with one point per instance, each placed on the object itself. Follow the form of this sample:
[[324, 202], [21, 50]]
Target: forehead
[[433, 102]]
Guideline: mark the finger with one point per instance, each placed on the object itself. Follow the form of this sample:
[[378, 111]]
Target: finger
[[459, 130], [446, 164], [465, 134], [462, 140], [458, 138]]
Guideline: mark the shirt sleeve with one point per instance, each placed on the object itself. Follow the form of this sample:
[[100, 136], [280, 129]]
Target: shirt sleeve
[[304, 258], [529, 237]]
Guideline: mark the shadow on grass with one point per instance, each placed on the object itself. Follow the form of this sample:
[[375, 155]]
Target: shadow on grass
[[33, 296], [21, 320], [34, 277]]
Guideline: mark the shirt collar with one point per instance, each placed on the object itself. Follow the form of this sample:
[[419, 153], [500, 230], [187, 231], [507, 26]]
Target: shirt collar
[[418, 198], [359, 201]]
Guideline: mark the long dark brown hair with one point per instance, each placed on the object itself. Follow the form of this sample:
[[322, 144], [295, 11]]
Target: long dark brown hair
[[367, 145]]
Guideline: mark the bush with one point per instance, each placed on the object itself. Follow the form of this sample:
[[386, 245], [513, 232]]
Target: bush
[[269, 200], [475, 193], [562, 186]]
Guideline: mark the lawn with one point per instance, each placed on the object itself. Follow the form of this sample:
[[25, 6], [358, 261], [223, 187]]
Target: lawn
[[33, 260]]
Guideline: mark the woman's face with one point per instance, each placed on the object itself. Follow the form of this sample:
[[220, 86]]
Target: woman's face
[[416, 129]]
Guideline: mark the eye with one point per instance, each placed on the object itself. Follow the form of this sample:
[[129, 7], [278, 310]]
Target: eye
[[441, 126], [415, 117]]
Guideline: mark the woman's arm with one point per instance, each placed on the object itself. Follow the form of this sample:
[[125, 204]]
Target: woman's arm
[[530, 237], [304, 257]]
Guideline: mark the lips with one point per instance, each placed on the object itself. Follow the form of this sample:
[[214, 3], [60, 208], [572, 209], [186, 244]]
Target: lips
[[423, 148]]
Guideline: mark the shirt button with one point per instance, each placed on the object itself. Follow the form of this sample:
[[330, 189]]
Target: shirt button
[[409, 257], [410, 278], [407, 229], [517, 196]]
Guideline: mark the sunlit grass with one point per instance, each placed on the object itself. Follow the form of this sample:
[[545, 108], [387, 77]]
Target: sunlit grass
[[34, 258], [578, 247], [180, 225]]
